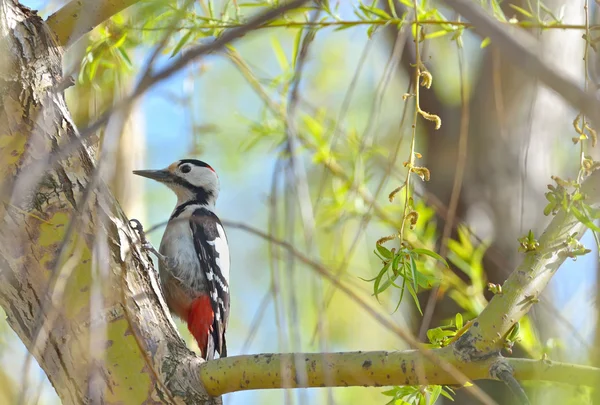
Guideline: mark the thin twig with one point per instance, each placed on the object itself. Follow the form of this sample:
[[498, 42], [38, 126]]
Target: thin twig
[[461, 162]]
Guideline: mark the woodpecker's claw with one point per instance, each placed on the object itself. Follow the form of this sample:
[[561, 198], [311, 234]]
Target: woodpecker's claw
[[136, 225], [146, 245]]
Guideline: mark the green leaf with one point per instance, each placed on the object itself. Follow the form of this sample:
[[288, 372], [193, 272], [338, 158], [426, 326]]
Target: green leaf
[[584, 219], [279, 53], [119, 42], [396, 262], [486, 41], [375, 11], [447, 394], [413, 294], [425, 281], [458, 320], [430, 253], [211, 12], [414, 271], [433, 335], [376, 289], [498, 13], [392, 8], [125, 57], [436, 34], [388, 282], [435, 393], [296, 48], [184, 39], [521, 10], [385, 252], [514, 332], [93, 68], [371, 31], [343, 27], [401, 293], [389, 393]]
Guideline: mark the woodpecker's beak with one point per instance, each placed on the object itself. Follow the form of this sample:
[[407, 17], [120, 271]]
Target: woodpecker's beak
[[162, 176]]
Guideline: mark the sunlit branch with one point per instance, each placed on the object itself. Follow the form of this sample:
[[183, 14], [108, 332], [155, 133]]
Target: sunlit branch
[[544, 370], [78, 17], [374, 369], [523, 287]]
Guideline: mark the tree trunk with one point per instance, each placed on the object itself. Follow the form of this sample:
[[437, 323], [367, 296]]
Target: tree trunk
[[73, 282]]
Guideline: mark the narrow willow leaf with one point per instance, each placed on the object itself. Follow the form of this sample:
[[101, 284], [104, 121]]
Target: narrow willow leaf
[[383, 271], [184, 39], [388, 282], [125, 57], [430, 253], [521, 10], [376, 11], [385, 252], [447, 394], [413, 294], [414, 273], [436, 34], [401, 293], [435, 393], [279, 53], [296, 48], [584, 219]]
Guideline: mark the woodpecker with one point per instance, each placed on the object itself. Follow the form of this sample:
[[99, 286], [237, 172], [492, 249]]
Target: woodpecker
[[194, 254]]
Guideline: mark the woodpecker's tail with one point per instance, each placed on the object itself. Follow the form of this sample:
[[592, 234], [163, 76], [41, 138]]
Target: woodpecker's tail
[[200, 323]]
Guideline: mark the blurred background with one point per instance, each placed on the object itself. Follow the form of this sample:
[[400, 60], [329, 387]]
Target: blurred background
[[502, 136]]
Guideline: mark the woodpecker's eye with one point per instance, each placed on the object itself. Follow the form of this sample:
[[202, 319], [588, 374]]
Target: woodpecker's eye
[[186, 169]]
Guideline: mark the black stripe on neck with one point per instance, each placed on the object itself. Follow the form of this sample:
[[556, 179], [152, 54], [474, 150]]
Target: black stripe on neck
[[201, 195], [182, 207]]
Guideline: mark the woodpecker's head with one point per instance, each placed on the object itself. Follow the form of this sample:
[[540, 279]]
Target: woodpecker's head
[[190, 179]]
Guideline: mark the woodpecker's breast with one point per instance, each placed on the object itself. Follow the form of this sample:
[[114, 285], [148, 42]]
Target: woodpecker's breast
[[178, 245]]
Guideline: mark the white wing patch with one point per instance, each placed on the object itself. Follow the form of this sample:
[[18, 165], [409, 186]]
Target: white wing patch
[[220, 244]]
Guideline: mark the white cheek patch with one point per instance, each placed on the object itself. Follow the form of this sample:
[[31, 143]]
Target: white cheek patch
[[220, 244], [202, 177]]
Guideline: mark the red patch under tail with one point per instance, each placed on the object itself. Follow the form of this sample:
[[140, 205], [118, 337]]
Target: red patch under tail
[[200, 321]]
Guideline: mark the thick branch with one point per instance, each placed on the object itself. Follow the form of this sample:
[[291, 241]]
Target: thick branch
[[544, 370], [265, 371], [78, 17], [373, 369], [525, 284], [519, 48]]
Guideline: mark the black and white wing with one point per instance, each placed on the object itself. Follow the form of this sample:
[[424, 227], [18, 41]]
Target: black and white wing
[[211, 244]]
